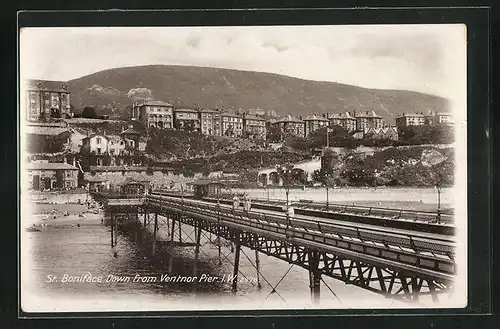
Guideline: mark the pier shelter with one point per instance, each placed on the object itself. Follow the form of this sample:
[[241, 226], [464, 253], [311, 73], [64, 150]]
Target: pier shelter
[[134, 187]]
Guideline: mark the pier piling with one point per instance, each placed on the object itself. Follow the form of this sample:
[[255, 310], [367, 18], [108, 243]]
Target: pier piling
[[155, 229], [315, 276], [257, 262], [112, 224], [236, 261], [116, 231], [197, 249]]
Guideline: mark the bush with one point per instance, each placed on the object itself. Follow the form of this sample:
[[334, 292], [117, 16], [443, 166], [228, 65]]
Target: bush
[[418, 135]]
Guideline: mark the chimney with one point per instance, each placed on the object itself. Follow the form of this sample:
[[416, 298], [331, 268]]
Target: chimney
[[74, 162]]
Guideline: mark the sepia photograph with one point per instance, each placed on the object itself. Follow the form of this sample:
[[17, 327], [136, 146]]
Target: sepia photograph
[[243, 168]]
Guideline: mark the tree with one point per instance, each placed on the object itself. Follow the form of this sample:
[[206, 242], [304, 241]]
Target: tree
[[338, 136], [89, 113], [189, 126], [297, 143]]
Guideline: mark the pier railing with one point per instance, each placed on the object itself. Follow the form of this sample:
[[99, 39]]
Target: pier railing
[[415, 253]]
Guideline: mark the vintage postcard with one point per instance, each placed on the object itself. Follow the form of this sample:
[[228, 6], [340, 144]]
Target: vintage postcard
[[243, 168]]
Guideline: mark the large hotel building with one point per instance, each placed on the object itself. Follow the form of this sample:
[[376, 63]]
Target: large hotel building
[[46, 99]]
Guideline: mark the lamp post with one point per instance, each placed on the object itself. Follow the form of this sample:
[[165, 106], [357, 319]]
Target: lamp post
[[327, 196], [438, 187], [327, 137], [286, 175]]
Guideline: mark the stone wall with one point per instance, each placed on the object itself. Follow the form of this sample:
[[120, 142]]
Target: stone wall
[[156, 179]]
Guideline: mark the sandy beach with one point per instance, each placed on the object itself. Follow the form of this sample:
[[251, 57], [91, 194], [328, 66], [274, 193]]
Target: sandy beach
[[62, 215]]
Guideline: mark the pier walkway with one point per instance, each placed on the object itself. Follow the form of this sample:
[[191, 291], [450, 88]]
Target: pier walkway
[[394, 261]]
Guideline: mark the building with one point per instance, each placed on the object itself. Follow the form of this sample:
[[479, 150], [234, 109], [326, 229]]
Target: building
[[112, 150], [289, 126], [131, 136], [186, 119], [48, 176], [154, 114], [410, 119], [368, 119], [47, 99], [254, 127], [382, 133], [444, 118], [315, 122], [257, 112], [210, 122], [96, 144], [345, 120], [232, 124]]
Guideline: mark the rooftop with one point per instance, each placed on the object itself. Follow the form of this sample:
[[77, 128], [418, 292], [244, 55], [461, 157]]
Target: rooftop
[[289, 118], [406, 115], [156, 103], [315, 117], [253, 117], [186, 110], [367, 114], [345, 115], [40, 130], [49, 166], [47, 85], [231, 114], [131, 131]]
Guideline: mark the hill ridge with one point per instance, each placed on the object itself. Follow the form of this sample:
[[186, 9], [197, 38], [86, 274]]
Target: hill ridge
[[231, 88]]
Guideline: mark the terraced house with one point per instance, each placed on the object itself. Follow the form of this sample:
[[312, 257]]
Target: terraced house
[[154, 114], [410, 119], [288, 126], [315, 122], [368, 119], [106, 150], [46, 99], [186, 119], [255, 127], [210, 122], [232, 124], [345, 120]]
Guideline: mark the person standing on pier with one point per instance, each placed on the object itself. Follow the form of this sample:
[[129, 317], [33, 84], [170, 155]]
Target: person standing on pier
[[236, 202]]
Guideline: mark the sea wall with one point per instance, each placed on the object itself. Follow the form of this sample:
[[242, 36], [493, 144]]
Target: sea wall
[[156, 178]]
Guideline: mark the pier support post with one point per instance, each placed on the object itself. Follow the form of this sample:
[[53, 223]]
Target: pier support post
[[236, 261], [112, 228], [145, 215], [180, 231], [116, 231], [173, 230], [155, 228], [315, 276], [257, 265], [219, 247], [197, 249]]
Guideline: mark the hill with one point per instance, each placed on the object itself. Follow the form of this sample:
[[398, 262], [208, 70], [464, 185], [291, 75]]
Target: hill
[[213, 87]]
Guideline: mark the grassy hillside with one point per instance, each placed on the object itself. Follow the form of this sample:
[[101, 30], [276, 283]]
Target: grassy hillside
[[212, 87]]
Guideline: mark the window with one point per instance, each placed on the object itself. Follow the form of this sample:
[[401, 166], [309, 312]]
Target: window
[[98, 140], [69, 173]]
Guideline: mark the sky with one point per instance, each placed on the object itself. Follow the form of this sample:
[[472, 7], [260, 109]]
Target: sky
[[423, 58]]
